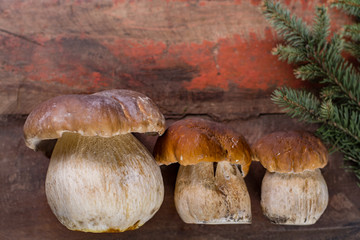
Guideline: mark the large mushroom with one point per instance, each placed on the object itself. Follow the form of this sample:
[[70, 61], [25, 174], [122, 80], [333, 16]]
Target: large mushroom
[[209, 187], [100, 177], [293, 190]]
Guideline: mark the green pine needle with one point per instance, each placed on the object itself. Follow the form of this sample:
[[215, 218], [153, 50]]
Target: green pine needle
[[298, 103], [351, 7], [353, 49], [294, 31], [352, 31], [337, 109], [346, 120], [321, 28], [309, 72], [289, 54]]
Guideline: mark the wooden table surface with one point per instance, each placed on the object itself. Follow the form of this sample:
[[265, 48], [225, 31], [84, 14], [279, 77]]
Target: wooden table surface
[[210, 59], [25, 213]]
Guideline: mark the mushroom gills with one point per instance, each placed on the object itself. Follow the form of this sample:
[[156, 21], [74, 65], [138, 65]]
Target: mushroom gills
[[294, 198], [97, 184], [203, 196]]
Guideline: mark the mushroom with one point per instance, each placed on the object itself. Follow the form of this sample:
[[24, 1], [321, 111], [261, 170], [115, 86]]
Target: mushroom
[[293, 190], [210, 188], [100, 177]]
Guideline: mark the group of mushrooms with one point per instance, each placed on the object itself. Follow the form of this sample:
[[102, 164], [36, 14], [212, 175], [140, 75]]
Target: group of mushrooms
[[102, 179]]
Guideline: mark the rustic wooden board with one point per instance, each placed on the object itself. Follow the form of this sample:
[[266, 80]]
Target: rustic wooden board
[[193, 58], [190, 57], [25, 213]]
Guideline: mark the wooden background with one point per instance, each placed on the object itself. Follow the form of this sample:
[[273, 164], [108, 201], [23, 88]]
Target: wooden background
[[193, 58]]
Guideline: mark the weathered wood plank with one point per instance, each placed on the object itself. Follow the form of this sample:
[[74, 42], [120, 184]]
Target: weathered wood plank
[[203, 58], [186, 55], [25, 213]]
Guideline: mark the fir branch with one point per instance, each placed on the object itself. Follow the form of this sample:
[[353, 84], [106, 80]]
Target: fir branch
[[294, 31], [309, 72], [353, 49], [289, 54], [352, 31], [324, 58], [336, 70], [351, 7], [343, 143], [330, 92], [343, 118], [307, 107], [321, 28], [326, 109], [345, 77], [298, 103], [353, 46], [338, 107]]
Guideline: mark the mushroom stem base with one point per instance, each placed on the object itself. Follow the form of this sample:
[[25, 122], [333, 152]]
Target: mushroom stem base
[[97, 184], [206, 196], [294, 198]]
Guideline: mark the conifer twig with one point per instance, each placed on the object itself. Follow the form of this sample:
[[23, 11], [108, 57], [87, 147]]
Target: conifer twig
[[337, 108]]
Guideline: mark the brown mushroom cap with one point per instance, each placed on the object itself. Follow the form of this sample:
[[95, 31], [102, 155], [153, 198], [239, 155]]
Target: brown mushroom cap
[[290, 152], [195, 140], [107, 113]]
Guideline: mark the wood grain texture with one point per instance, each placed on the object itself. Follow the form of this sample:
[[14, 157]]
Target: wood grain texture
[[186, 55], [193, 58], [25, 213]]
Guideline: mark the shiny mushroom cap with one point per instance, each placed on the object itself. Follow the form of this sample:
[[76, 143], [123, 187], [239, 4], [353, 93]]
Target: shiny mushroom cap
[[196, 140], [105, 114], [290, 152]]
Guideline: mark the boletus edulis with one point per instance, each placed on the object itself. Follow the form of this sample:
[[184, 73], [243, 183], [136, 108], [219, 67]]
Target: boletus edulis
[[100, 177], [213, 161], [293, 190]]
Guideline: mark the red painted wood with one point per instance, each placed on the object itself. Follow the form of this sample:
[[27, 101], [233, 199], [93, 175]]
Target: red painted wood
[[161, 48], [204, 58]]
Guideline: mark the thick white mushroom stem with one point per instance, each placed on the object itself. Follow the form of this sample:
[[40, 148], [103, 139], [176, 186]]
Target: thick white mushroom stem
[[97, 184], [294, 198], [205, 197]]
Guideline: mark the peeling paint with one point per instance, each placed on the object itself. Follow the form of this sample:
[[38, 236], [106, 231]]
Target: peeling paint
[[191, 52]]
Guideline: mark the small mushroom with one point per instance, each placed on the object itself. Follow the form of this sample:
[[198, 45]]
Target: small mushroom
[[100, 177], [210, 188], [293, 191]]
